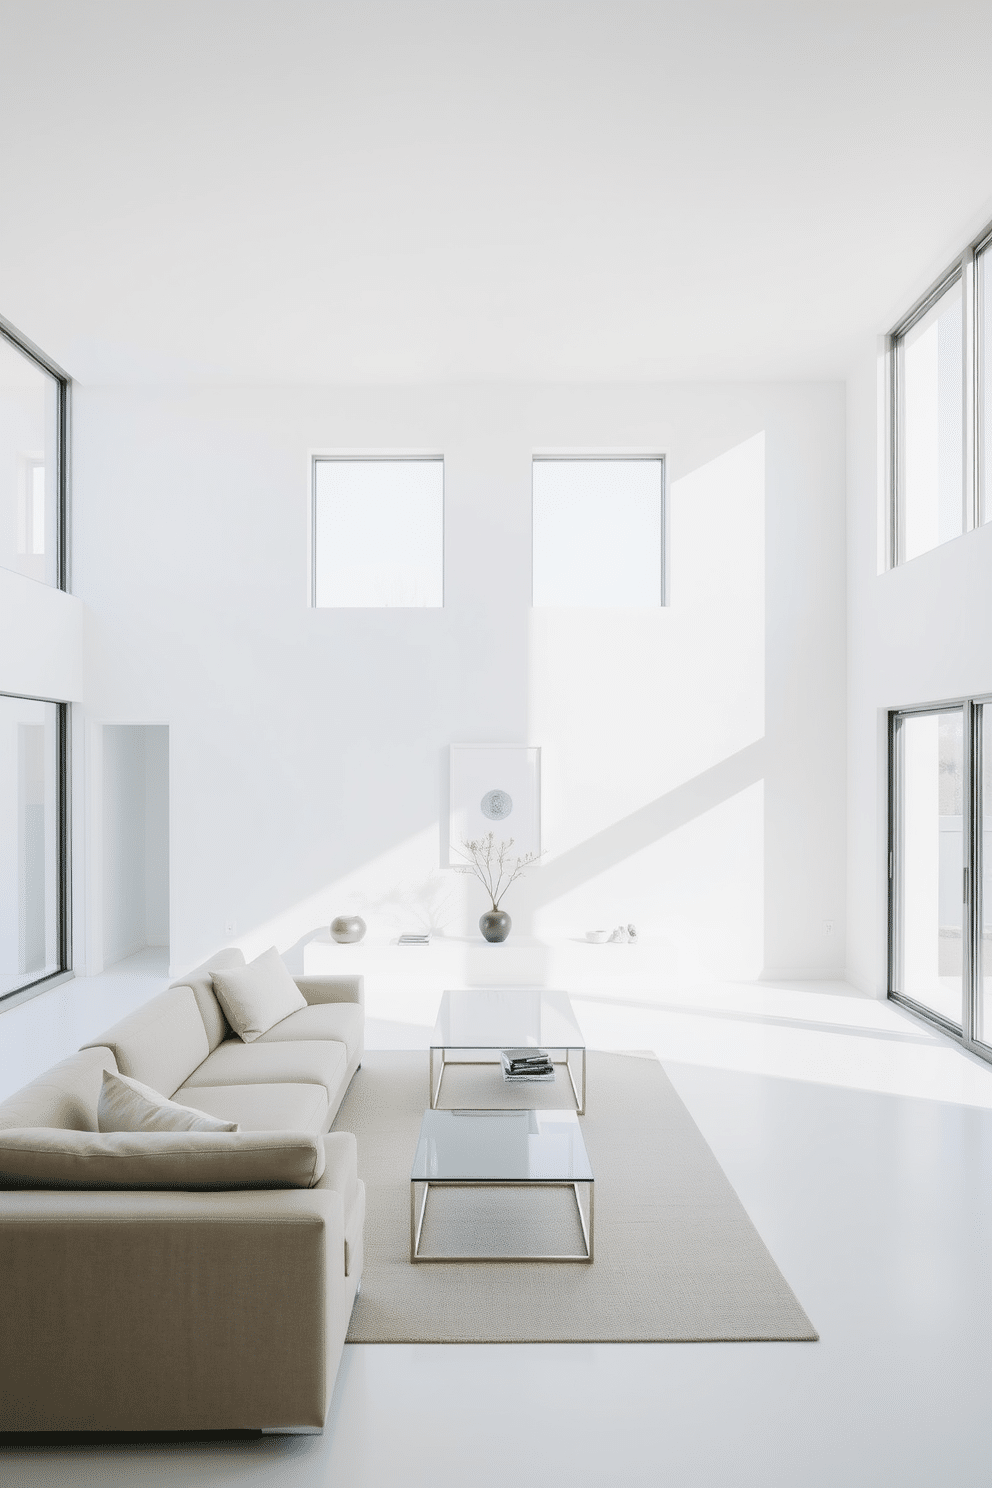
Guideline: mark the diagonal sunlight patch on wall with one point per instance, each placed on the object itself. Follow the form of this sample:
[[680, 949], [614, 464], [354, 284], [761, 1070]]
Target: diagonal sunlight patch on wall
[[692, 799], [651, 723]]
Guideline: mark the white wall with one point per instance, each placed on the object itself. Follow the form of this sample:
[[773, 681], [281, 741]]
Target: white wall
[[694, 767], [918, 633]]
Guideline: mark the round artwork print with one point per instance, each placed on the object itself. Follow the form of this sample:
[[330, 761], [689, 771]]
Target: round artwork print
[[496, 805]]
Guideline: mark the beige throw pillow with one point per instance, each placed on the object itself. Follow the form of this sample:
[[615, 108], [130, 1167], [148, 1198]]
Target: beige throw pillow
[[125, 1105], [50, 1157], [257, 996]]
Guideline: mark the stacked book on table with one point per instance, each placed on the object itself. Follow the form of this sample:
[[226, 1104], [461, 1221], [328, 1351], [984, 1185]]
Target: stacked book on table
[[525, 1065], [420, 937]]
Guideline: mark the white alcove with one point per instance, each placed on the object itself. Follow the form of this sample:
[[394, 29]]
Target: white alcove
[[133, 827]]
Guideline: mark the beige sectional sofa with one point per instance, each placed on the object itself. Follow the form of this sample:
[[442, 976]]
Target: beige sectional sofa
[[136, 1309]]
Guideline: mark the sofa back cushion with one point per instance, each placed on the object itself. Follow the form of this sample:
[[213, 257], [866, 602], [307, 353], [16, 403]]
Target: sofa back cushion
[[65, 1096], [161, 1043], [41, 1157], [199, 980]]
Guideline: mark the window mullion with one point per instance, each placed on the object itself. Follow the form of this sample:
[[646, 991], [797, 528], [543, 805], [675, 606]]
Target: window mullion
[[974, 1031], [895, 428], [969, 494], [968, 1008]]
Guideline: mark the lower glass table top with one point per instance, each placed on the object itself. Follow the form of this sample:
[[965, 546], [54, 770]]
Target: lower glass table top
[[501, 1146], [541, 1152]]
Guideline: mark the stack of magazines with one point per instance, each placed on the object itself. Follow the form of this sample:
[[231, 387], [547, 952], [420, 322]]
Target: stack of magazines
[[526, 1065], [420, 938]]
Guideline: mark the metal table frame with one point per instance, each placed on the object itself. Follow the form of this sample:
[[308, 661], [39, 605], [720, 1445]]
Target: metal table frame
[[442, 1061], [417, 1221]]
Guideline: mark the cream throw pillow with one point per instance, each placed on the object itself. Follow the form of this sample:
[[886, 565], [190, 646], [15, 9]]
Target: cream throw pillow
[[125, 1105], [257, 996]]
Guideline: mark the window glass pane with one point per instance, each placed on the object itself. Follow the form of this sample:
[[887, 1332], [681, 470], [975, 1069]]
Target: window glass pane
[[379, 533], [29, 842], [29, 418], [983, 274], [930, 867], [930, 417], [597, 533]]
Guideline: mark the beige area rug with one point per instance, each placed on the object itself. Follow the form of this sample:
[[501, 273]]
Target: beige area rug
[[676, 1258]]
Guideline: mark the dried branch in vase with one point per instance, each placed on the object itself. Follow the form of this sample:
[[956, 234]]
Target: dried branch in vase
[[494, 865]]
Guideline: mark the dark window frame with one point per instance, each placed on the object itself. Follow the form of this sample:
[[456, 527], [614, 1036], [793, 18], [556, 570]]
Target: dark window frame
[[64, 848], [63, 383]]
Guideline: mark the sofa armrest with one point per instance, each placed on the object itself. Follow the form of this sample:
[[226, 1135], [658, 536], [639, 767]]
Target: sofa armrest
[[332, 988], [169, 1311]]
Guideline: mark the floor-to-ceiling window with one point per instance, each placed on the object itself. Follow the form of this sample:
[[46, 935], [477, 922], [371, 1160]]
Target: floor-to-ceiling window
[[33, 866], [34, 510], [940, 866]]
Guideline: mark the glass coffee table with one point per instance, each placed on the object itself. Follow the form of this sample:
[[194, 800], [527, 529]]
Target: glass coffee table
[[480, 1021], [533, 1150]]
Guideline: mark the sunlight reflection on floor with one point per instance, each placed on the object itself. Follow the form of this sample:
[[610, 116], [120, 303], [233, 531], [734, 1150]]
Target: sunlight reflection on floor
[[824, 1033]]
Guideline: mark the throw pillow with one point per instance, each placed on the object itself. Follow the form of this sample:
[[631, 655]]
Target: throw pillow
[[257, 996], [125, 1105], [51, 1157]]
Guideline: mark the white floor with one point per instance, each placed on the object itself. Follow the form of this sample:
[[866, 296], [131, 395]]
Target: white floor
[[861, 1145]]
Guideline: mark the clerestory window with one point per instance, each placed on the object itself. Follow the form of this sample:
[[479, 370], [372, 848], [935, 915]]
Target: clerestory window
[[377, 533]]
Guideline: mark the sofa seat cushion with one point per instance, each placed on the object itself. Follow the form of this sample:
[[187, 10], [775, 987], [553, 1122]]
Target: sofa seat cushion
[[341, 1021], [67, 1095], [270, 1107], [128, 1106], [234, 1063], [47, 1157]]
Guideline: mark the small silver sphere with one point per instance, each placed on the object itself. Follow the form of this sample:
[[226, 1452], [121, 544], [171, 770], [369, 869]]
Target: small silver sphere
[[347, 929]]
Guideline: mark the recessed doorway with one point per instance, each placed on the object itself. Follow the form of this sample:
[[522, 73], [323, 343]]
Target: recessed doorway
[[135, 835]]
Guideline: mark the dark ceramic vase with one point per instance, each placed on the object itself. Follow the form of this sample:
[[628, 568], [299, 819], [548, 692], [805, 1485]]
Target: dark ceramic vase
[[495, 924]]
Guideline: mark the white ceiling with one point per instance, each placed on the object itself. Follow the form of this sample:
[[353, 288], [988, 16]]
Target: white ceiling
[[388, 190]]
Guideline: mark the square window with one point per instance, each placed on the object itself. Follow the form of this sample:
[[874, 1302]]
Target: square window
[[378, 533], [597, 531]]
